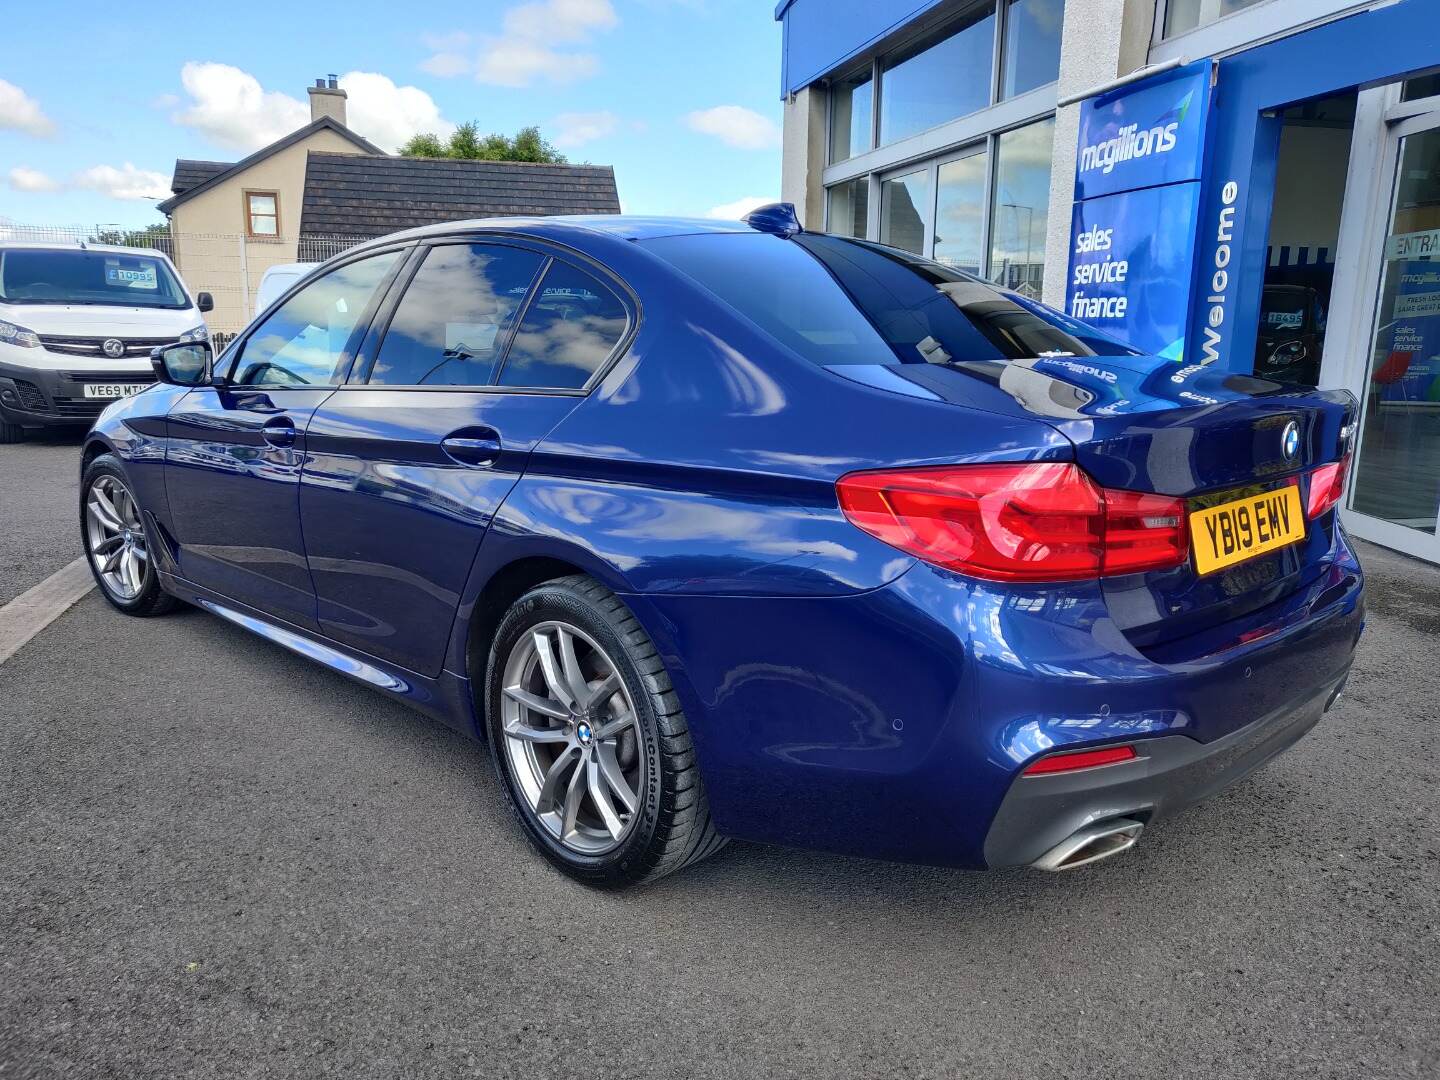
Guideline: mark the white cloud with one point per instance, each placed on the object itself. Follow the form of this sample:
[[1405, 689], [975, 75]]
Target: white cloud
[[525, 51], [126, 182], [515, 63], [122, 182], [20, 112], [576, 129], [24, 179], [737, 126], [570, 22], [387, 114], [230, 107], [446, 65], [734, 211]]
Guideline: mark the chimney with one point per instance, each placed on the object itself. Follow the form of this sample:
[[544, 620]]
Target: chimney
[[327, 99]]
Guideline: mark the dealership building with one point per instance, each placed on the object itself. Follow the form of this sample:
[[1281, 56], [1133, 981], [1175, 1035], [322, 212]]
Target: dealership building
[[1250, 184]]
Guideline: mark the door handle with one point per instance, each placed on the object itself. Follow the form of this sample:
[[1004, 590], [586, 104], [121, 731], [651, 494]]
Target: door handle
[[279, 431], [476, 447]]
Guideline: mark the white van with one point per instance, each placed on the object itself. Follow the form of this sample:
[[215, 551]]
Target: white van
[[77, 323], [277, 280]]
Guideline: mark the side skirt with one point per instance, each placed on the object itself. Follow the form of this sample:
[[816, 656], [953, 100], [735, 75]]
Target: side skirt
[[446, 698]]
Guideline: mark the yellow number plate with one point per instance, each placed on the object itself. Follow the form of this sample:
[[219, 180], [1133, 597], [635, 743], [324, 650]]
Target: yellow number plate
[[1243, 528]]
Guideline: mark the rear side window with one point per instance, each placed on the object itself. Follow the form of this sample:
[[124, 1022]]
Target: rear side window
[[569, 330], [453, 323], [839, 301]]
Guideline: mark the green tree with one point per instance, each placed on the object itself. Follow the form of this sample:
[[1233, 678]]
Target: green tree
[[527, 144]]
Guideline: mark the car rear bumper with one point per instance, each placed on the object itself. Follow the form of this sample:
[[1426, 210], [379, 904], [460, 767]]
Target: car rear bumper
[[1172, 772], [895, 723]]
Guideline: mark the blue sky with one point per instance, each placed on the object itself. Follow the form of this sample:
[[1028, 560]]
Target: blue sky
[[681, 96]]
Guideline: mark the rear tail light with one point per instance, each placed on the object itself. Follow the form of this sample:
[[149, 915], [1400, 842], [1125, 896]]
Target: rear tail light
[[1070, 761], [1036, 521], [1327, 487]]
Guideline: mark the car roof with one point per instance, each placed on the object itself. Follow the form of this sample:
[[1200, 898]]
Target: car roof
[[577, 226]]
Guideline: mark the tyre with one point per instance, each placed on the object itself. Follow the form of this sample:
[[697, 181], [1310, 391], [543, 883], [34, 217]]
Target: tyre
[[11, 433], [116, 543], [589, 741]]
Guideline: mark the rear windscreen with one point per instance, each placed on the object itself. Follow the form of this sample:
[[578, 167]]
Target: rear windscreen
[[839, 301], [38, 276]]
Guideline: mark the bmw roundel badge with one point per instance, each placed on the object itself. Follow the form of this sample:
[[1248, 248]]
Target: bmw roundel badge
[[1290, 440]]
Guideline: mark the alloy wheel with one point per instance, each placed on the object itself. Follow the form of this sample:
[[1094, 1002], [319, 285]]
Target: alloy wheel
[[115, 537], [572, 738]]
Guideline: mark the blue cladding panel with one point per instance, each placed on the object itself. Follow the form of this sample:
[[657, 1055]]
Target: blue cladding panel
[[1239, 187], [822, 34]]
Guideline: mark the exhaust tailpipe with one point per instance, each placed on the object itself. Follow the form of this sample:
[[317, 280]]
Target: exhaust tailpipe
[[1091, 844]]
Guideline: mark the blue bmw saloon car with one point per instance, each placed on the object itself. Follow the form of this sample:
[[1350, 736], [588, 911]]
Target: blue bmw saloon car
[[720, 530]]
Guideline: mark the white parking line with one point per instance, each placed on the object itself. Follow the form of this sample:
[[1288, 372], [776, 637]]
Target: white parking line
[[33, 610]]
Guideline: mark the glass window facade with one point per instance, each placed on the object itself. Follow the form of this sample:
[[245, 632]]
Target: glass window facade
[[1032, 45], [1183, 15], [984, 211], [938, 78], [960, 212], [979, 205], [847, 212], [904, 208], [852, 104], [1019, 207]]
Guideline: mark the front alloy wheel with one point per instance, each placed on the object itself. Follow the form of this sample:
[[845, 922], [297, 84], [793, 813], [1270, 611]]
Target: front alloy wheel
[[116, 538], [116, 543]]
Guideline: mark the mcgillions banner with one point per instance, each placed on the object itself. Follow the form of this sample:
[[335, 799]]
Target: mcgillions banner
[[1137, 192]]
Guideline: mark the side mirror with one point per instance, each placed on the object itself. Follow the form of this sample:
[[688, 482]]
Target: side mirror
[[205, 302], [182, 364]]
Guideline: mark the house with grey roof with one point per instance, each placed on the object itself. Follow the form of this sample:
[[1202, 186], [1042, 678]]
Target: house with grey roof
[[323, 187]]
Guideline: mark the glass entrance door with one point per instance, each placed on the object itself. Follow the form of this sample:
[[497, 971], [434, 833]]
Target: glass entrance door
[[1395, 489]]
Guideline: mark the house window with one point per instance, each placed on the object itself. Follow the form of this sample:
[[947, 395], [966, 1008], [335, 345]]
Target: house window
[[262, 213]]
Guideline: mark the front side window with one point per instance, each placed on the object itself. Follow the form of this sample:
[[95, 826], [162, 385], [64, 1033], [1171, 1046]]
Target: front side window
[[454, 321], [569, 330], [308, 340], [939, 78], [91, 277], [262, 214]]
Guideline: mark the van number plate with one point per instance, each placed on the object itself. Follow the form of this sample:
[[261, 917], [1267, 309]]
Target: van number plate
[[1243, 528], [112, 389]]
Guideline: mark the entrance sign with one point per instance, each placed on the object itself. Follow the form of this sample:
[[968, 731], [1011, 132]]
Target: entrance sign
[[1145, 134], [1137, 191]]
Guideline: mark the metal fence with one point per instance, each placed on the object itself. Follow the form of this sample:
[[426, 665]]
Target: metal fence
[[228, 266]]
